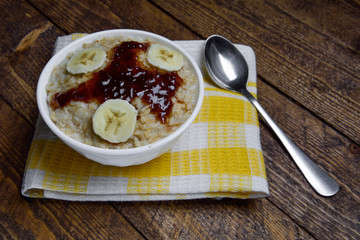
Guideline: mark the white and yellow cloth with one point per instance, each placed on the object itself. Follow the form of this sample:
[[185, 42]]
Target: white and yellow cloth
[[219, 156]]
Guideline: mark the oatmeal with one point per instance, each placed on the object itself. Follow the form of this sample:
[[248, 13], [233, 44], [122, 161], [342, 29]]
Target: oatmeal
[[163, 99]]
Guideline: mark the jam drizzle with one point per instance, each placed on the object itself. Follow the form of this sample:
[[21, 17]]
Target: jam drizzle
[[124, 78]]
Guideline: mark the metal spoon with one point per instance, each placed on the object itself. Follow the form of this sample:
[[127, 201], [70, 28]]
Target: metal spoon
[[228, 68]]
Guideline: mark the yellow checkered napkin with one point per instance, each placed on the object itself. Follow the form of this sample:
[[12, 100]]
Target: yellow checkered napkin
[[219, 156]]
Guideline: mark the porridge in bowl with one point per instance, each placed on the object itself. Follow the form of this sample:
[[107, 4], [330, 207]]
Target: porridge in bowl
[[121, 93]]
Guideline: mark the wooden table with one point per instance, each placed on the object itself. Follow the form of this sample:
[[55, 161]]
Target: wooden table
[[308, 63]]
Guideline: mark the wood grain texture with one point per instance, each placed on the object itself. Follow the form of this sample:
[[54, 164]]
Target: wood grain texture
[[327, 20], [211, 219], [27, 46], [138, 14], [301, 61], [308, 66]]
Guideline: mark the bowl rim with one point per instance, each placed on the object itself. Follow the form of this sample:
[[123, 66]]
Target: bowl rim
[[41, 94]]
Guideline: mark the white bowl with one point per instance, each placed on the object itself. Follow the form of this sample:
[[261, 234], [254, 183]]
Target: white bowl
[[115, 157]]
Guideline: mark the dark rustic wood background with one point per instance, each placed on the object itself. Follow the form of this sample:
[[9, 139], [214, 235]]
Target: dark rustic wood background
[[308, 63]]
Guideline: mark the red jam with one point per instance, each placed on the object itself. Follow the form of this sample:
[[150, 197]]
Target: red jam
[[124, 78]]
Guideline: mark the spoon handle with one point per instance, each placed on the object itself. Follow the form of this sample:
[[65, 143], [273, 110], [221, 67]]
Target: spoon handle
[[318, 179]]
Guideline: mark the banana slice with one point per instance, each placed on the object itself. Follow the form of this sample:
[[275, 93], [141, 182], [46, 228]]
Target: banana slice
[[86, 60], [165, 58], [115, 120]]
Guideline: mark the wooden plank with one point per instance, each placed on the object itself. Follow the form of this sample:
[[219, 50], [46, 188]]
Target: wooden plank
[[318, 72], [27, 46], [24, 218], [211, 219], [90, 16], [79, 16], [337, 20]]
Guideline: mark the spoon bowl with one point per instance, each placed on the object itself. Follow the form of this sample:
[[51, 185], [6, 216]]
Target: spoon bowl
[[228, 69], [223, 57]]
